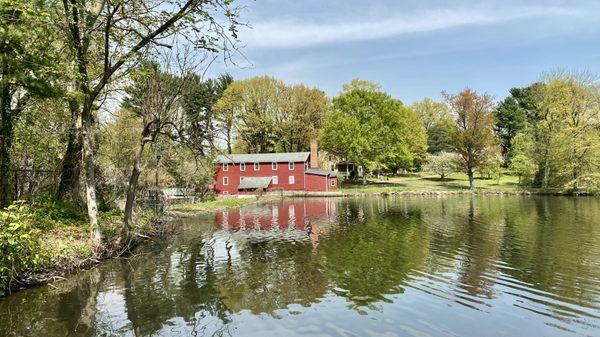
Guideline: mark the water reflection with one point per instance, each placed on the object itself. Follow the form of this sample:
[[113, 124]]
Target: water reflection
[[418, 266]]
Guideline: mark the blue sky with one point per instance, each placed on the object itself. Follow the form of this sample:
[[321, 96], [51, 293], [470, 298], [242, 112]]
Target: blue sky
[[417, 48]]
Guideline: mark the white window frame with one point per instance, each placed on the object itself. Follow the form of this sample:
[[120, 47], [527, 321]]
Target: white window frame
[[225, 166], [242, 166], [291, 180], [275, 180], [274, 166], [291, 166], [256, 166], [225, 181], [332, 182]]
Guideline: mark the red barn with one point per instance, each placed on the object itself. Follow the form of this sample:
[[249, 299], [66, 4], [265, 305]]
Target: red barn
[[292, 171]]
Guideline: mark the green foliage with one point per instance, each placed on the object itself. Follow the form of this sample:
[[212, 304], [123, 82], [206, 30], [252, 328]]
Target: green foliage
[[491, 167], [262, 114], [374, 130], [19, 242], [474, 137], [432, 113], [119, 140], [510, 120], [442, 163], [524, 168], [439, 137], [199, 100], [561, 138]]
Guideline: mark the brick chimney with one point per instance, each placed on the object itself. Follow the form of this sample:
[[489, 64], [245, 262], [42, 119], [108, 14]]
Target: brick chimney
[[314, 153]]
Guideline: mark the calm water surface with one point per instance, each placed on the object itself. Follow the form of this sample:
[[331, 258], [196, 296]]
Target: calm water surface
[[453, 266]]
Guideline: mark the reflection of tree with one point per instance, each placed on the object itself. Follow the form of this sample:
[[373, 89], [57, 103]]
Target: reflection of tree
[[372, 257], [156, 291], [553, 245], [271, 275], [71, 304], [480, 251], [455, 247]]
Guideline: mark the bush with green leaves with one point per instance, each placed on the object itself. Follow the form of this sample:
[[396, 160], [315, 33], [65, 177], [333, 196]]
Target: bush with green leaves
[[524, 167], [491, 167], [20, 242], [442, 163]]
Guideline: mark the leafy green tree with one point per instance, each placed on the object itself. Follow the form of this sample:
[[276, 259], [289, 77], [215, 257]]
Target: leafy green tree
[[442, 163], [572, 121], [474, 138], [301, 117], [372, 129], [431, 112], [26, 71], [491, 167], [156, 97], [523, 166], [510, 120], [105, 39], [199, 100], [439, 137], [254, 104], [438, 123], [265, 115]]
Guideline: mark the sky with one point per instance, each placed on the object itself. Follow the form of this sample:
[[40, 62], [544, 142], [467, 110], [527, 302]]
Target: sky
[[416, 48]]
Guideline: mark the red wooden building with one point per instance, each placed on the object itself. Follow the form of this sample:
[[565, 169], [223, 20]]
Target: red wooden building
[[251, 173]]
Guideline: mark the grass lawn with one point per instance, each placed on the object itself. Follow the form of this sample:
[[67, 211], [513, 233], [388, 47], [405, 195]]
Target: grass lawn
[[426, 182], [212, 205]]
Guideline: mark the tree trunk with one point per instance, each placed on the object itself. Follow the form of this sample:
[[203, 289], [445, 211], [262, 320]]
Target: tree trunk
[[364, 176], [70, 176], [546, 169], [229, 141], [6, 137], [157, 173], [471, 180], [442, 177], [131, 190], [90, 178]]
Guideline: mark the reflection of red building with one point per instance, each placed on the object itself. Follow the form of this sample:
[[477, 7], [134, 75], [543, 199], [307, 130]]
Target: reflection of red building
[[289, 214]]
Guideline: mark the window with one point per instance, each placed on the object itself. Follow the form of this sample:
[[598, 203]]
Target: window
[[291, 166], [273, 166], [332, 182], [225, 166], [256, 166], [291, 180], [242, 166], [275, 180], [225, 181]]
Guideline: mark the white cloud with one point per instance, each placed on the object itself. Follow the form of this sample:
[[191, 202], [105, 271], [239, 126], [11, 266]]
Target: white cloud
[[305, 33]]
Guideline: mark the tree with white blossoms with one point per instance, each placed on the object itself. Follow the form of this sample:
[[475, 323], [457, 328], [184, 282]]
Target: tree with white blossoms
[[442, 163]]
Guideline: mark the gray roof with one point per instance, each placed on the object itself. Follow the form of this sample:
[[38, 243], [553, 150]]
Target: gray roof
[[254, 183], [263, 157], [321, 172]]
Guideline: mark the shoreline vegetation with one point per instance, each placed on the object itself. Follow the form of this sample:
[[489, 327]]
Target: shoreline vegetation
[[60, 245]]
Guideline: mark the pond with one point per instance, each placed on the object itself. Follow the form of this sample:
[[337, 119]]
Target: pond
[[395, 266]]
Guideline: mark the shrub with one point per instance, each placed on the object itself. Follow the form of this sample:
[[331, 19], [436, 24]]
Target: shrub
[[524, 168], [491, 167], [442, 163], [19, 242]]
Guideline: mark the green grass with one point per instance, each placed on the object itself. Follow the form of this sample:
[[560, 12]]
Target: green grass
[[216, 204], [429, 182]]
